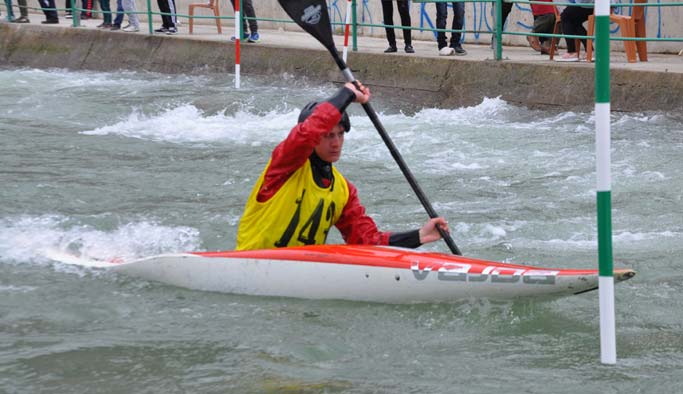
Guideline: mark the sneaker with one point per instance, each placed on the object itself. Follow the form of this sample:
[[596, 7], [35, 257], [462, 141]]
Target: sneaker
[[568, 57], [232, 38], [21, 19], [103, 25], [161, 30], [459, 50], [115, 27], [50, 21], [171, 31], [254, 37], [446, 51], [409, 49], [390, 50], [131, 28]]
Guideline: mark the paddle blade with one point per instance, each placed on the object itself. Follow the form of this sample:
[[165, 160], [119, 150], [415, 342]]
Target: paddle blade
[[312, 16]]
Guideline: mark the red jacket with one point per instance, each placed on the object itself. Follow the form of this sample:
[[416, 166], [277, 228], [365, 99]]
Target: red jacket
[[355, 226], [541, 9]]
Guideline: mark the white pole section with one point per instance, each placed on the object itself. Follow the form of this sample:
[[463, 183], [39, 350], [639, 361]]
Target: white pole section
[[608, 347]]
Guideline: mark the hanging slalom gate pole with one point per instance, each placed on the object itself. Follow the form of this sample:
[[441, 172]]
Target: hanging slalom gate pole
[[608, 351], [238, 37], [349, 10]]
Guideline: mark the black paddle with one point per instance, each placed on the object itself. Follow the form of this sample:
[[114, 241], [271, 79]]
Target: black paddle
[[312, 16]]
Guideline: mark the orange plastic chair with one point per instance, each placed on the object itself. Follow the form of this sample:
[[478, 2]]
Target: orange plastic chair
[[213, 5], [630, 26]]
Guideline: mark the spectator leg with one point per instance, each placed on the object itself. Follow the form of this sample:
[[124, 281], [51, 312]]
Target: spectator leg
[[388, 16]]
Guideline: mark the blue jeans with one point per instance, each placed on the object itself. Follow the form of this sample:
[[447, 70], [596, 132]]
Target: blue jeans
[[10, 14], [50, 15], [249, 12], [119, 13]]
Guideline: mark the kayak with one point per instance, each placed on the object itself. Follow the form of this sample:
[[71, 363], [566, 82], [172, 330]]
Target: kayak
[[352, 272]]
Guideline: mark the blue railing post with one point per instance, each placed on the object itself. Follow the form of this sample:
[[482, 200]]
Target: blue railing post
[[499, 30], [75, 15], [354, 23], [150, 23]]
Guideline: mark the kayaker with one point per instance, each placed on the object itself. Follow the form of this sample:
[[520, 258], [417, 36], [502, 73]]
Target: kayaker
[[300, 195]]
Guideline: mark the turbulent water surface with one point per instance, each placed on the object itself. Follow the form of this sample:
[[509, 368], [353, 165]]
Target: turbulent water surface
[[133, 164]]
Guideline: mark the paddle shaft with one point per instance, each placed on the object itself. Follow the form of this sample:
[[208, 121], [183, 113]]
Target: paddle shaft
[[397, 156]]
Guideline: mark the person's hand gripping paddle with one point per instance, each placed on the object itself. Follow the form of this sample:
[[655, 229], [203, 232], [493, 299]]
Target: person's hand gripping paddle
[[312, 16]]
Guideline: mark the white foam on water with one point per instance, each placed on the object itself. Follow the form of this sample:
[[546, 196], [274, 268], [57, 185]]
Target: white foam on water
[[620, 240], [628, 236], [462, 166], [16, 289], [488, 109], [496, 232], [486, 233], [31, 238], [188, 124], [496, 113], [58, 78], [633, 119]]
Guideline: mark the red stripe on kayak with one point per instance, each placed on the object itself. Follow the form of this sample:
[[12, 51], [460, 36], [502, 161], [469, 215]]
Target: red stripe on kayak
[[388, 257]]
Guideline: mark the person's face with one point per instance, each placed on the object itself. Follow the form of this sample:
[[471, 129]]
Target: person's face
[[330, 147]]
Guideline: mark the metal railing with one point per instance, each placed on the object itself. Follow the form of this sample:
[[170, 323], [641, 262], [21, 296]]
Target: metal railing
[[497, 31]]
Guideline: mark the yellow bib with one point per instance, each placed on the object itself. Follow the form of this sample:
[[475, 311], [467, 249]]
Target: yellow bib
[[300, 213]]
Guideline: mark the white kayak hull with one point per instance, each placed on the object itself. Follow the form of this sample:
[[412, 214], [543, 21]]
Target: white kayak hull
[[358, 273]]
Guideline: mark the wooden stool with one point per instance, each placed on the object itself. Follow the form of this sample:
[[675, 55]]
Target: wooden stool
[[213, 5], [630, 26]]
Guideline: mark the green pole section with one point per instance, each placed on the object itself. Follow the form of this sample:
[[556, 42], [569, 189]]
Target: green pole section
[[602, 48], [604, 205], [499, 29], [354, 27]]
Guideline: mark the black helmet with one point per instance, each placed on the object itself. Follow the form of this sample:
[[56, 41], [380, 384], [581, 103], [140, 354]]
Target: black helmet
[[307, 110]]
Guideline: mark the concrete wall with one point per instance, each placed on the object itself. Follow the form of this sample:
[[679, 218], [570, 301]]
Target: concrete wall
[[433, 82]]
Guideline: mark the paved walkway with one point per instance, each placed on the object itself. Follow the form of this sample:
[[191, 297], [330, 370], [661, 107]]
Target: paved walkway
[[280, 38]]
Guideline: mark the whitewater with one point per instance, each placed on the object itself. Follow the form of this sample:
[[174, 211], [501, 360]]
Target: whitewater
[[131, 164]]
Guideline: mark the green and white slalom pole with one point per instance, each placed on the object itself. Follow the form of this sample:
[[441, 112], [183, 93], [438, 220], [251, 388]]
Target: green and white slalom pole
[[608, 351]]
